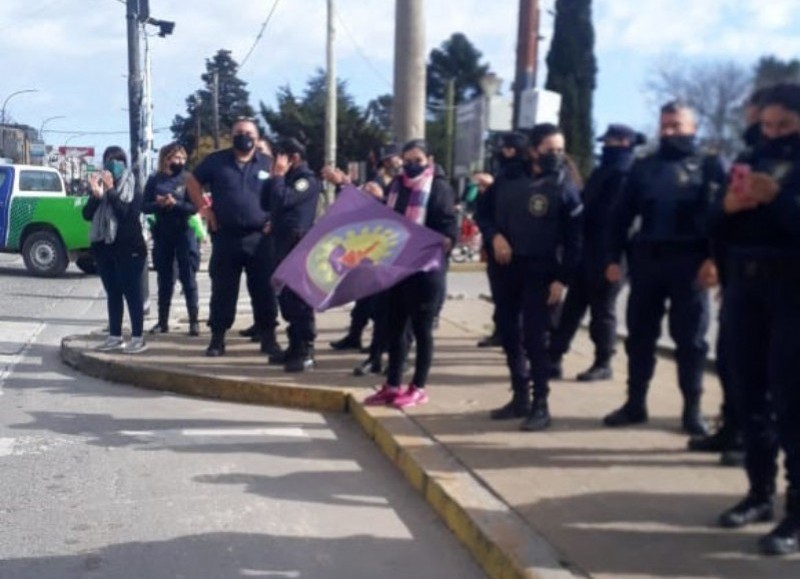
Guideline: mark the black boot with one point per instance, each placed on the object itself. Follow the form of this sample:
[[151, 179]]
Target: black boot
[[628, 414], [493, 341], [194, 323], [724, 439], [301, 360], [216, 347], [518, 407], [783, 539], [279, 358], [249, 332], [692, 420], [756, 507], [539, 417], [162, 327], [349, 342], [599, 371], [369, 366], [269, 344]]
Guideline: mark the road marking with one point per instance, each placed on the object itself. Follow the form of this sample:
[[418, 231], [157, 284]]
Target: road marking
[[6, 446], [291, 432], [19, 353]]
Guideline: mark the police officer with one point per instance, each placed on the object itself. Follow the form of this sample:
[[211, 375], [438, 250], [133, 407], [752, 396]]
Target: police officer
[[291, 198], [173, 239], [590, 288], [670, 191], [239, 241], [758, 221], [512, 162], [533, 219]]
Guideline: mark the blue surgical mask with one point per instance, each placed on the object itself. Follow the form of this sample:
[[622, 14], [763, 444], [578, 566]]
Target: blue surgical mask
[[115, 167]]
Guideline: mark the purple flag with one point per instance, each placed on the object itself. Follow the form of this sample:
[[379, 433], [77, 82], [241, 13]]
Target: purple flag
[[360, 247]]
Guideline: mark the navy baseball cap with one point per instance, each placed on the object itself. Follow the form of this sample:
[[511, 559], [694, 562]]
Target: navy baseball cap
[[619, 131]]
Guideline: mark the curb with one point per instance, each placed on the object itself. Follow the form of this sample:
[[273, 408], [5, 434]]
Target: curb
[[501, 542]]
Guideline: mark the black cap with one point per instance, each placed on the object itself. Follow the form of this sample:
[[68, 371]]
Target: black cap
[[416, 144], [291, 146], [620, 131], [514, 140]]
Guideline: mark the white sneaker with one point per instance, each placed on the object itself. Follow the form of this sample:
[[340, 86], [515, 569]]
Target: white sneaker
[[112, 343], [135, 346]]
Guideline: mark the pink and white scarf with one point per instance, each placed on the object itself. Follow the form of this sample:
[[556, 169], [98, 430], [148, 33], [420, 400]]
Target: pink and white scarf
[[420, 193]]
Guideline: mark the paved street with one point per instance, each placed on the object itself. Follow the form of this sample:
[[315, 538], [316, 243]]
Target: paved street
[[102, 480]]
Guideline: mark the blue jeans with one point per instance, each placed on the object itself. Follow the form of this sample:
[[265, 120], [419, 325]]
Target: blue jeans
[[121, 275]]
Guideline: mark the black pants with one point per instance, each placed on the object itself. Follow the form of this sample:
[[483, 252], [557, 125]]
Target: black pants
[[491, 273], [590, 290], [360, 316], [121, 275], [730, 395], [301, 325], [231, 253], [414, 300], [523, 288], [654, 281], [170, 247], [762, 317]]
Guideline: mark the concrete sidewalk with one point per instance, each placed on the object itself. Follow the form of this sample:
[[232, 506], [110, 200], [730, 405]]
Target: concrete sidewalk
[[579, 499]]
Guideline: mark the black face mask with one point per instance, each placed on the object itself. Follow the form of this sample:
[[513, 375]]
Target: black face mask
[[786, 147], [413, 170], [752, 136], [243, 143], [176, 168], [550, 162], [616, 156], [677, 146]]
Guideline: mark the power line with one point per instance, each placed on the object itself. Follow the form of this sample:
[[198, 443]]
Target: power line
[[361, 52], [260, 34]]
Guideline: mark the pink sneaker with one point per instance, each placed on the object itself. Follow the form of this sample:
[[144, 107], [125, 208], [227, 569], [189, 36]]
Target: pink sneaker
[[386, 395], [412, 397]]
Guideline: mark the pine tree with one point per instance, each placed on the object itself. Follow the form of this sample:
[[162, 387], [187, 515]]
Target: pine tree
[[233, 103], [572, 72]]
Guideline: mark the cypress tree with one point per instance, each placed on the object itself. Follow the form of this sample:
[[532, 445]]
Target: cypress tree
[[572, 72]]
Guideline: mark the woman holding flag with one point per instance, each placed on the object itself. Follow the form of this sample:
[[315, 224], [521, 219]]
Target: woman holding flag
[[427, 199]]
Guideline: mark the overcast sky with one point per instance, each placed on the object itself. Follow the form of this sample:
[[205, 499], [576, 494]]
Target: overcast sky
[[74, 51]]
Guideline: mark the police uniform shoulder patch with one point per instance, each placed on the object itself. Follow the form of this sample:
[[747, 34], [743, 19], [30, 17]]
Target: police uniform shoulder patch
[[301, 185], [538, 205]]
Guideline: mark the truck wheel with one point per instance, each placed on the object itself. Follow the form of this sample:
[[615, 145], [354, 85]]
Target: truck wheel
[[44, 254], [86, 264]]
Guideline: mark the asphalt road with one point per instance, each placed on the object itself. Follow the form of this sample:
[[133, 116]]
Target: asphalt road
[[103, 480]]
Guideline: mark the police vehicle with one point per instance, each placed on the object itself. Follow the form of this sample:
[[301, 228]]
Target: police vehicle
[[40, 221]]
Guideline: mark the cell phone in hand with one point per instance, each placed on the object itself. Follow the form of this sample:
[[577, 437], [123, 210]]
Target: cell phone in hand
[[740, 173]]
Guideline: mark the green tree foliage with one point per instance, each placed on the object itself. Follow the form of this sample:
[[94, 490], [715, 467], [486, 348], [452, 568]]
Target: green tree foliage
[[459, 60], [572, 72], [303, 117], [379, 112], [233, 103], [771, 70]]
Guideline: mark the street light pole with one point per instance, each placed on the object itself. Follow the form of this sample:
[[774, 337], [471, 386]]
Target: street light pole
[[3, 114], [135, 92], [44, 122], [331, 98]]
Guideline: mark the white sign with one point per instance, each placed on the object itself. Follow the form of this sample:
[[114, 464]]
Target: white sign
[[538, 106]]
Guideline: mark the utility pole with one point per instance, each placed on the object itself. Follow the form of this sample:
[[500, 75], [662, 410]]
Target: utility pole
[[197, 127], [527, 52], [134, 92], [215, 107], [409, 70], [450, 125], [147, 100], [331, 112]]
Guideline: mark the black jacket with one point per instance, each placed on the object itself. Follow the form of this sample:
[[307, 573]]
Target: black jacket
[[170, 220], [129, 239], [440, 215]]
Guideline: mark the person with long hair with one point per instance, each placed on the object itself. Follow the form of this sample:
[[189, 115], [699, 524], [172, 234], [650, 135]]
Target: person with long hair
[[426, 198], [173, 238], [533, 219], [118, 247]]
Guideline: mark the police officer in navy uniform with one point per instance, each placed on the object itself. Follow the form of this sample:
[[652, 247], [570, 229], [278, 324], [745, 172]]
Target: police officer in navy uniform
[[758, 221], [671, 193], [291, 198], [239, 241], [590, 288], [533, 219]]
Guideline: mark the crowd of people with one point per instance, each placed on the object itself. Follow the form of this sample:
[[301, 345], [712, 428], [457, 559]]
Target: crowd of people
[[673, 223]]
